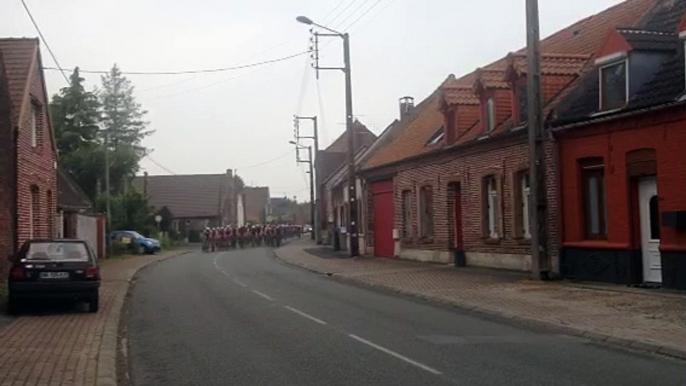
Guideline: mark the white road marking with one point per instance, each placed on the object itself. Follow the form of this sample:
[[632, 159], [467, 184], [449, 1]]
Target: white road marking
[[395, 354], [263, 295], [304, 315], [240, 283]]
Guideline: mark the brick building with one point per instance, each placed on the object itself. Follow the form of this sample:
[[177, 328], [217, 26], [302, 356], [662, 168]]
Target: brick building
[[27, 148], [622, 136], [455, 180]]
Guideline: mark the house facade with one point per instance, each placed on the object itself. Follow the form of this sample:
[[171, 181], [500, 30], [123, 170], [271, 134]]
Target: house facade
[[189, 203], [622, 136], [456, 179], [27, 152]]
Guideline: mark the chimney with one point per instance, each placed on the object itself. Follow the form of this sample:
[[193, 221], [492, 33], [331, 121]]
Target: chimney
[[145, 184], [406, 105]]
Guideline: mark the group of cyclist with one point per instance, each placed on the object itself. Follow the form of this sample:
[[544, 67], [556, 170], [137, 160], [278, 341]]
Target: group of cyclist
[[232, 237]]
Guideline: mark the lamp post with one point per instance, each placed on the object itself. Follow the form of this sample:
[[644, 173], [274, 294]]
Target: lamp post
[[352, 188], [311, 164]]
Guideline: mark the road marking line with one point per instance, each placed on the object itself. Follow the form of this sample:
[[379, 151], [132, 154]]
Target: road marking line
[[240, 283], [395, 354], [263, 295], [304, 315]]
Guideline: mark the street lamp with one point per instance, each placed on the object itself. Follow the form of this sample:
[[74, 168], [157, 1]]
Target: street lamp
[[352, 188]]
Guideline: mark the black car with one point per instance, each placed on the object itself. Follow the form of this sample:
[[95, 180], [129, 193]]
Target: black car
[[54, 269]]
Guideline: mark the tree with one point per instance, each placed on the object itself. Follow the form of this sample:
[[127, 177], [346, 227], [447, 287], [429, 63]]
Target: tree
[[75, 114], [130, 211], [123, 118]]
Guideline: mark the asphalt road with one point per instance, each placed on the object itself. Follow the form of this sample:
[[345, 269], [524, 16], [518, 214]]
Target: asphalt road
[[245, 318]]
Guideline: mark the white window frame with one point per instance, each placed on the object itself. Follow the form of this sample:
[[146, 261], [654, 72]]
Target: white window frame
[[490, 115], [492, 206], [526, 194], [624, 60], [34, 126]]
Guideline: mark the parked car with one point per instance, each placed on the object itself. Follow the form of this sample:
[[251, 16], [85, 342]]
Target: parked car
[[50, 269], [138, 242]]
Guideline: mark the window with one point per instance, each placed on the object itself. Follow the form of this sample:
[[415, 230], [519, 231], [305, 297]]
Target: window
[[654, 218], [426, 212], [34, 212], [523, 100], [437, 138], [407, 213], [491, 204], [595, 205], [521, 194], [34, 125], [613, 86], [490, 115]]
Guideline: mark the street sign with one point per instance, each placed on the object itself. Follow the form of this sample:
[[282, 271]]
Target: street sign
[[158, 218]]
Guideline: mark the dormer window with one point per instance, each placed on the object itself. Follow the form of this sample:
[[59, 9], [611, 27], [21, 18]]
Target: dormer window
[[490, 115], [614, 85]]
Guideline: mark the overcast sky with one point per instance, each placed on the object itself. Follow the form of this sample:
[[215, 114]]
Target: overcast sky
[[238, 119]]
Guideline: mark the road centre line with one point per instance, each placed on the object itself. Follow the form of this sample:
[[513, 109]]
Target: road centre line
[[305, 315], [395, 354], [240, 283], [263, 295]]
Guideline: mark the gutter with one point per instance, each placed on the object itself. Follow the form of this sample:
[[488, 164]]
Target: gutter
[[626, 114]]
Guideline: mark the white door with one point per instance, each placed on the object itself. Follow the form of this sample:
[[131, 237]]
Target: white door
[[650, 230]]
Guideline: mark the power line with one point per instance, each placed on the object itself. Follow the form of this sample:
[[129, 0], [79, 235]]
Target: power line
[[376, 14], [342, 11], [159, 165], [204, 71], [54, 58], [364, 13], [362, 4], [333, 9], [266, 162]]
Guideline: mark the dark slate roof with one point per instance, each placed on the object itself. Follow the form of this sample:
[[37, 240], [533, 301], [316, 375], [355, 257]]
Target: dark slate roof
[[650, 40], [664, 87], [70, 197], [186, 196]]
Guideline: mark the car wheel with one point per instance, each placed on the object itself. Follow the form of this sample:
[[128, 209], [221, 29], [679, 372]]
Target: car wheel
[[94, 303], [141, 250], [12, 306]]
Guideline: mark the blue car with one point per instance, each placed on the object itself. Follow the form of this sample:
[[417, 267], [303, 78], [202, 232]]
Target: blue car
[[138, 242]]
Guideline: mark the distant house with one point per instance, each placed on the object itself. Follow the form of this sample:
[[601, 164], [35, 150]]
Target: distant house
[[75, 214], [189, 203], [27, 148], [255, 202], [328, 161]]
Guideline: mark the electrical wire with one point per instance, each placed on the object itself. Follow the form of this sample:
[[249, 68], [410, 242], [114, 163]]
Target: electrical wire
[[362, 4], [266, 162], [160, 165], [363, 14], [374, 15], [203, 71], [332, 11], [40, 33], [342, 11]]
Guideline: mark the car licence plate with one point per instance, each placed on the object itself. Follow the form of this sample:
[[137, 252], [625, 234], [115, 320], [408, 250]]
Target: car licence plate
[[54, 275]]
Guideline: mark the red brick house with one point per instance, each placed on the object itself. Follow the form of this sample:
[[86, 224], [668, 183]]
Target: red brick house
[[622, 136], [455, 181], [27, 150]]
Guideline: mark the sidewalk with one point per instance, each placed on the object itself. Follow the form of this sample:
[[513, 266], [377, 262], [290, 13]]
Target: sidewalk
[[69, 347], [641, 319]]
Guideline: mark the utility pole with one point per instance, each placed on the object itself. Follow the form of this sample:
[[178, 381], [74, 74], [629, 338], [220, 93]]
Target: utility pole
[[107, 181], [350, 131], [538, 200], [309, 161], [316, 193]]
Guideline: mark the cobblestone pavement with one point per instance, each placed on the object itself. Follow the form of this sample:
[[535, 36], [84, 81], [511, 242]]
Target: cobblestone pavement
[[64, 345], [643, 319]]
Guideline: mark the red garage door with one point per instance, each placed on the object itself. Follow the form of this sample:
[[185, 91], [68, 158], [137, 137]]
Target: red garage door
[[383, 218]]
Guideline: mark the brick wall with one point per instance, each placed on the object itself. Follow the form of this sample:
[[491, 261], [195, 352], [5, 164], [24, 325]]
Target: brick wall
[[36, 165], [503, 158], [7, 179]]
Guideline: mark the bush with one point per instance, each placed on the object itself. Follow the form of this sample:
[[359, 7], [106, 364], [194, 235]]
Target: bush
[[119, 248]]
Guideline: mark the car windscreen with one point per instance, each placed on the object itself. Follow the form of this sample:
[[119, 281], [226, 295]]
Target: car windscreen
[[57, 251], [136, 235]]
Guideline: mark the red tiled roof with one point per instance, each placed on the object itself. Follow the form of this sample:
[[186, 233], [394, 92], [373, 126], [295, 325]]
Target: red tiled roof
[[457, 94], [567, 46], [490, 79], [551, 64], [18, 54]]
